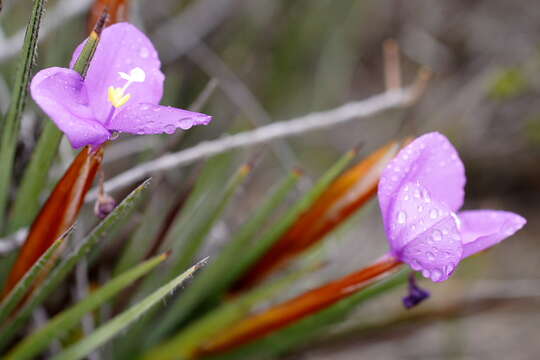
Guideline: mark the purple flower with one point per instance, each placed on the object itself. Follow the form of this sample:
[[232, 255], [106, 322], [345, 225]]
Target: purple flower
[[121, 92], [420, 193]]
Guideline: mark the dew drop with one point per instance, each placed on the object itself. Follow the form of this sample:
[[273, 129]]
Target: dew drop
[[401, 217], [420, 208], [415, 265], [169, 129], [416, 193], [144, 107], [430, 256], [436, 275], [426, 273], [406, 197], [425, 195], [436, 236], [144, 53], [448, 269], [433, 214]]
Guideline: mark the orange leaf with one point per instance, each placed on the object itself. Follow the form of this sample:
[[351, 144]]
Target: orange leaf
[[344, 197], [117, 10], [58, 213], [284, 314]]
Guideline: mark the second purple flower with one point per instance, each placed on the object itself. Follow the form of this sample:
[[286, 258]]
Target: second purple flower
[[420, 194]]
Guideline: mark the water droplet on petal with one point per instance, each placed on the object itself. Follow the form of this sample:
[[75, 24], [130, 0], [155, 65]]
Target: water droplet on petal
[[425, 195], [143, 52], [169, 129], [401, 217], [433, 214], [415, 265], [144, 107], [420, 208], [417, 193], [430, 256], [426, 273], [436, 236], [436, 275]]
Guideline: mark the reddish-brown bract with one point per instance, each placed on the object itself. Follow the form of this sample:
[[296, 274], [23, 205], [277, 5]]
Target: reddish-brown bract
[[117, 10], [58, 213], [306, 304]]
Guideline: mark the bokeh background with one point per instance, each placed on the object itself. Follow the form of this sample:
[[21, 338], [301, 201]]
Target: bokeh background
[[279, 59]]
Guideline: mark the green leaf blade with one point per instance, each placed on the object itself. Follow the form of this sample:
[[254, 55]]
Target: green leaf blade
[[61, 323], [16, 294], [55, 278], [126, 318], [12, 121]]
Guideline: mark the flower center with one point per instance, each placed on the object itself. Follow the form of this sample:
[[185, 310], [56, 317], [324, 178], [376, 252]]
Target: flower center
[[117, 96]]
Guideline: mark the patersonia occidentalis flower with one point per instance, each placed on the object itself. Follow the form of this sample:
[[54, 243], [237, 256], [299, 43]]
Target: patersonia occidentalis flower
[[420, 193], [120, 93]]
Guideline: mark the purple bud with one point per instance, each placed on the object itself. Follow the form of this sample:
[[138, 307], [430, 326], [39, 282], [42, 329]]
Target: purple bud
[[105, 204], [416, 294]]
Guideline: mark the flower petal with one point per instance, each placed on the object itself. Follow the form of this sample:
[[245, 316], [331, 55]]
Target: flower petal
[[414, 211], [433, 162], [481, 229], [155, 119], [436, 252], [122, 48], [62, 96]]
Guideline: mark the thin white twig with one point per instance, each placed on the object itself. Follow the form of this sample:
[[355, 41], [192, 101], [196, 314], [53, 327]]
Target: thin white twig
[[263, 134]]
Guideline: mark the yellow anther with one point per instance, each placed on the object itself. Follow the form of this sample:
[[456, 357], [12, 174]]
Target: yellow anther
[[117, 97]]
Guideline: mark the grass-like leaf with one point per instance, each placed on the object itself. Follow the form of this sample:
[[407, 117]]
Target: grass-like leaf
[[214, 279], [312, 326], [15, 296], [66, 320], [119, 323], [196, 238], [184, 344], [193, 214], [265, 242], [195, 241], [58, 213], [55, 278], [36, 173], [301, 306], [12, 121], [348, 193]]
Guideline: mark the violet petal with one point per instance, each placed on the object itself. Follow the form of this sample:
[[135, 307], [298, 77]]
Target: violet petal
[[433, 162], [155, 119], [482, 229], [122, 48], [62, 95]]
